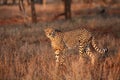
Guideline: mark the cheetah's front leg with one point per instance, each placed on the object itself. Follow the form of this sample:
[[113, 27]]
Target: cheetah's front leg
[[57, 53]]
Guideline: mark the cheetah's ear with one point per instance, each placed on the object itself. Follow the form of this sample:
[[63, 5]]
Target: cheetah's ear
[[56, 30]]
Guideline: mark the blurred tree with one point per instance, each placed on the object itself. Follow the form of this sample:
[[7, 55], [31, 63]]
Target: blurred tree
[[28, 2], [22, 9], [44, 3], [21, 6], [67, 9], [4, 1], [33, 11], [14, 1]]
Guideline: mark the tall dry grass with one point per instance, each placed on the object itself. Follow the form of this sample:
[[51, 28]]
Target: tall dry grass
[[26, 54]]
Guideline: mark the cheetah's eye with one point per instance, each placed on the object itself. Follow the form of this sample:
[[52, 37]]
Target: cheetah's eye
[[51, 34]]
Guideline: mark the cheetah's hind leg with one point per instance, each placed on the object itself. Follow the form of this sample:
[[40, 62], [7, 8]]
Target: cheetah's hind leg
[[90, 54]]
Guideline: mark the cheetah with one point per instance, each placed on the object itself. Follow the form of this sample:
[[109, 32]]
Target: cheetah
[[82, 38]]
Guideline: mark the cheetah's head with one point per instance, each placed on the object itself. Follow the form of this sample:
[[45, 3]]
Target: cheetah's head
[[50, 32]]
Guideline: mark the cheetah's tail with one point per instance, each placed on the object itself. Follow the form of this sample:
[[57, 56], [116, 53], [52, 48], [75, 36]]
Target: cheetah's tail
[[102, 51]]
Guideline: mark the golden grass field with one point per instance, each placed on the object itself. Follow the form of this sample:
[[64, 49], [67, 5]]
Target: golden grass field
[[26, 53]]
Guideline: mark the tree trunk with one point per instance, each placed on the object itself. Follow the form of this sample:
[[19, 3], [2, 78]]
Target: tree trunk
[[67, 9], [33, 11], [22, 9], [21, 6]]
